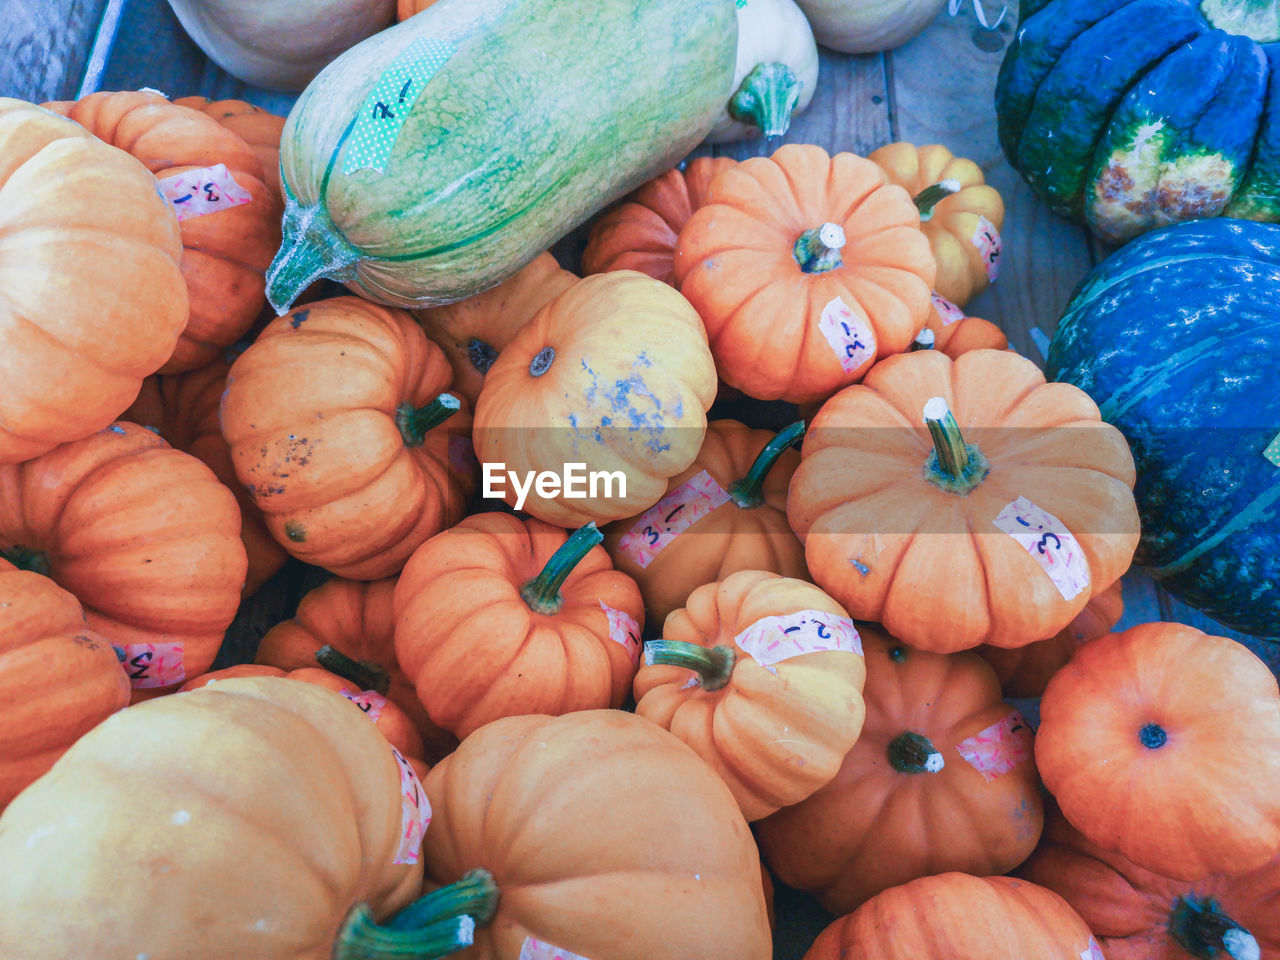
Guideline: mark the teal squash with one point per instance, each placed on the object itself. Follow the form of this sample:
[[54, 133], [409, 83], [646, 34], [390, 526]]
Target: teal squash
[[435, 159], [1177, 339], [1135, 114]]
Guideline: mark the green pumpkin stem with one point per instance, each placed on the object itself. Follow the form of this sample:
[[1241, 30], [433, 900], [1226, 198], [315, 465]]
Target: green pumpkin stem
[[766, 98], [416, 423], [930, 197], [713, 665], [746, 492], [365, 675], [313, 247], [914, 753], [475, 896], [361, 938], [542, 593], [25, 558], [1205, 932], [818, 249], [953, 465]]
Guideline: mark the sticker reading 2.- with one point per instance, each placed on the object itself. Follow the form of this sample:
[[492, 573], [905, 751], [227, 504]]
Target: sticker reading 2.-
[[384, 111], [624, 630], [671, 516], [851, 338], [202, 191], [999, 748], [415, 812], [947, 311], [987, 239], [1272, 452], [1049, 543], [534, 949], [774, 639], [152, 664]]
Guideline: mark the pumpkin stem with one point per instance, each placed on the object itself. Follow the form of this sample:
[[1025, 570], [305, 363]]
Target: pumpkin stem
[[416, 423], [766, 98], [475, 896], [365, 675], [713, 665], [926, 339], [929, 197], [746, 492], [362, 939], [25, 558], [818, 249], [313, 247], [913, 753], [1205, 932], [481, 354], [542, 593], [953, 465]]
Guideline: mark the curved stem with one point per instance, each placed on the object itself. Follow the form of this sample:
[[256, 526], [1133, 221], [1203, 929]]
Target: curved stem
[[365, 675], [361, 938], [475, 895], [1205, 932], [766, 98], [713, 665], [746, 492], [481, 354], [818, 249], [914, 753], [931, 196], [26, 558], [313, 247], [542, 593], [415, 424], [953, 465]]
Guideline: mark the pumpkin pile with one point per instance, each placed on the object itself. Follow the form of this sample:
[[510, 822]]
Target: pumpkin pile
[[588, 663]]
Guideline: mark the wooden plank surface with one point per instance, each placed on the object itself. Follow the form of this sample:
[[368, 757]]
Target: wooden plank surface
[[44, 45]]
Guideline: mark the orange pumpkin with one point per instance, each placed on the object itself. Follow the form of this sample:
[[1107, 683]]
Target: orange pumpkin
[[91, 298], [959, 213], [144, 536], [1001, 540], [285, 830], [255, 126], [340, 428], [956, 916], [941, 778], [1024, 671], [472, 332], [226, 250], [748, 657], [183, 408], [355, 618], [58, 679], [640, 232], [550, 808], [614, 374], [1163, 743], [805, 268], [954, 333], [725, 512], [500, 616], [407, 8]]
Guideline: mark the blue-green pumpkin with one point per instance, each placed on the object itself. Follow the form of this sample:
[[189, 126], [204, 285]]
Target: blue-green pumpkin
[[1176, 337], [1136, 114]]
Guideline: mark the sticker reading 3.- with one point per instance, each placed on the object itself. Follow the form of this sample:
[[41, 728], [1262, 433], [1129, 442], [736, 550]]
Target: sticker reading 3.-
[[671, 516], [1049, 543], [851, 339], [152, 664], [386, 108]]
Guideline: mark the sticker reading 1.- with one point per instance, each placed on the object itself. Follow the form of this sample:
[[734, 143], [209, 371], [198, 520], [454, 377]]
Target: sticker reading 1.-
[[850, 337], [1272, 452], [671, 516], [533, 949], [386, 108], [947, 310], [775, 639], [370, 701], [415, 812], [1049, 543], [987, 239], [999, 748], [152, 664], [196, 193], [623, 629]]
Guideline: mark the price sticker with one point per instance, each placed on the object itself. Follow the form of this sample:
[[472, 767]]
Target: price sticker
[[370, 701], [152, 664], [774, 639], [851, 339], [947, 311], [623, 629], [1092, 952], [196, 193], [415, 812], [671, 516], [999, 748], [534, 949], [1272, 452], [987, 239], [1049, 543]]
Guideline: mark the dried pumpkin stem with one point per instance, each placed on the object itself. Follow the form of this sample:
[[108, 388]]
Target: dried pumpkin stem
[[746, 492], [361, 938], [818, 249], [313, 248], [766, 98], [365, 675], [481, 354], [475, 896], [713, 665], [914, 753], [930, 197], [953, 465], [25, 558], [1206, 933], [542, 593], [416, 423]]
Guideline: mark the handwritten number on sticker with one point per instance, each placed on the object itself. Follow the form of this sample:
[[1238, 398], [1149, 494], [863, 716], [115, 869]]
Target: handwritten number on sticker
[[143, 662]]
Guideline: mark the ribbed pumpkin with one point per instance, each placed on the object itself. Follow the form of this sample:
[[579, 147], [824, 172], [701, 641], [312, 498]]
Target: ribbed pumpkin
[[941, 778], [144, 536], [1140, 915], [1000, 540], [954, 333], [286, 831], [1180, 733], [805, 268], [956, 916], [640, 233], [90, 294], [551, 809], [355, 618], [727, 511], [58, 679], [255, 126], [500, 616], [744, 659], [341, 429], [959, 213], [183, 408], [613, 374], [225, 252], [407, 8], [472, 332]]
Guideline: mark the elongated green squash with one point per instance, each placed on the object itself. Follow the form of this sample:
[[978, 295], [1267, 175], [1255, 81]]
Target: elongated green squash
[[436, 158]]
